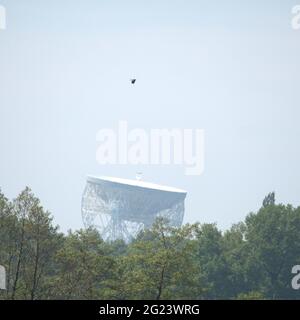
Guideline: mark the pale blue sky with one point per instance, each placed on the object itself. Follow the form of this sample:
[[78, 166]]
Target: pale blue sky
[[228, 67]]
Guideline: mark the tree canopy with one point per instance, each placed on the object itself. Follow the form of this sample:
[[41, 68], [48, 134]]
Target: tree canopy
[[251, 260]]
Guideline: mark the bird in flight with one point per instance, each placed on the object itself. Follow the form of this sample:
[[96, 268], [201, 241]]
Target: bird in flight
[[132, 81]]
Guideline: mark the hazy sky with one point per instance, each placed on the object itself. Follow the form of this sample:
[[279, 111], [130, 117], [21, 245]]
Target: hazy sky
[[228, 67]]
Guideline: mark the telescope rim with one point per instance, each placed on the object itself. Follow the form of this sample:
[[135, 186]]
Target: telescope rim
[[134, 183]]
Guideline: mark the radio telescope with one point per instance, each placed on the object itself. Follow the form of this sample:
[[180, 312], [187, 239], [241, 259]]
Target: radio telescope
[[121, 208]]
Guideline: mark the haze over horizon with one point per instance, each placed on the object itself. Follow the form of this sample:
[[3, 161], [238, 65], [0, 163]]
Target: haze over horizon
[[230, 68]]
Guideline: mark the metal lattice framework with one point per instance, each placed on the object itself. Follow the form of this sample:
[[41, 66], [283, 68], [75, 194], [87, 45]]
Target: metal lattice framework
[[121, 208]]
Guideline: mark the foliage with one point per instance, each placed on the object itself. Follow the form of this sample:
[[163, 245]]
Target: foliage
[[250, 261]]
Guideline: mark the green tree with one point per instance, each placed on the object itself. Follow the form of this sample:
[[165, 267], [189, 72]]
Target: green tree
[[269, 200], [251, 260], [273, 241], [28, 244], [252, 295], [85, 268], [211, 261], [161, 264], [42, 243]]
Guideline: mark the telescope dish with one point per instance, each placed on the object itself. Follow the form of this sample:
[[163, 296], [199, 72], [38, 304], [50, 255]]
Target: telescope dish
[[121, 208]]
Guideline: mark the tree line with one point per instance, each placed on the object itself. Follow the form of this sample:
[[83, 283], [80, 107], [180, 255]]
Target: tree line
[[251, 260]]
